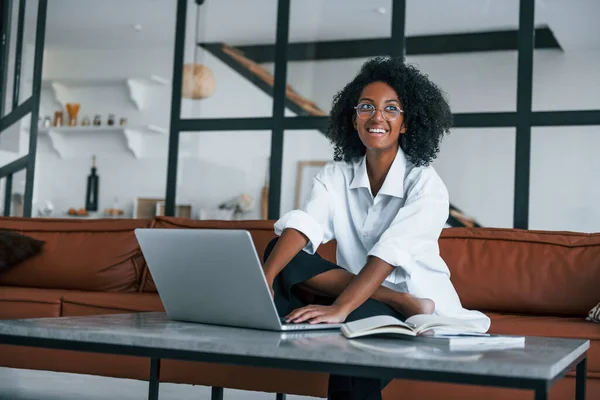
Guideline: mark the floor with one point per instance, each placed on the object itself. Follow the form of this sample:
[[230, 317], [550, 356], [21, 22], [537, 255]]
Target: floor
[[21, 384]]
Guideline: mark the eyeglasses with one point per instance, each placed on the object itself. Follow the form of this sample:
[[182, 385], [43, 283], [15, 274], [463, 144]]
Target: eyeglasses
[[367, 111]]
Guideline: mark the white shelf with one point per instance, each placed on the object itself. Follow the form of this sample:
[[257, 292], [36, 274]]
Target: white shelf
[[138, 86], [134, 135]]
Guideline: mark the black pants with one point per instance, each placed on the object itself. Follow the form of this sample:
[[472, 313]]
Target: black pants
[[303, 267]]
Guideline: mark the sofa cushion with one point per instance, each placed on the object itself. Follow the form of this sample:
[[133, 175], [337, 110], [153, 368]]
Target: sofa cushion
[[575, 328], [82, 303], [18, 303], [94, 255], [594, 314], [15, 247], [261, 230], [523, 272]]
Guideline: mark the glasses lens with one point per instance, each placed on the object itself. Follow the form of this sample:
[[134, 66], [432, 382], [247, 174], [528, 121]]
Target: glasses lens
[[365, 111], [391, 113]]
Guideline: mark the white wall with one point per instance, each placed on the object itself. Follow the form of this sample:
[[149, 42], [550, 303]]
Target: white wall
[[477, 165], [214, 166]]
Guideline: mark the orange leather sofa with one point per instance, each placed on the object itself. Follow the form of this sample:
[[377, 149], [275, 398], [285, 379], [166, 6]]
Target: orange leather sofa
[[528, 282]]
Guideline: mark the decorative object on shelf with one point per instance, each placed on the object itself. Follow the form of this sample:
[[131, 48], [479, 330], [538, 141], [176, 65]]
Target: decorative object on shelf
[[97, 120], [86, 121], [115, 210], [123, 121], [91, 194], [46, 209], [47, 122], [77, 212], [181, 210], [240, 205], [198, 81], [17, 204], [304, 179], [145, 207], [58, 119], [72, 110], [111, 120]]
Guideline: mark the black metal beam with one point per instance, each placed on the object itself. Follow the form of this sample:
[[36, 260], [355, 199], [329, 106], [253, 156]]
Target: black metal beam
[[36, 90], [301, 123], [279, 95], [5, 29], [19, 54], [8, 194], [415, 45], [176, 121], [16, 114], [230, 124], [524, 96], [398, 28], [15, 166], [565, 118]]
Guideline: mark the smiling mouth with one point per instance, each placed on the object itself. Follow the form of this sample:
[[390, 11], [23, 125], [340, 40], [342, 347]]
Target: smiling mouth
[[377, 131]]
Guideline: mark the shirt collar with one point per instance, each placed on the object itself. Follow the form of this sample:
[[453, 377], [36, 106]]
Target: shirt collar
[[394, 181]]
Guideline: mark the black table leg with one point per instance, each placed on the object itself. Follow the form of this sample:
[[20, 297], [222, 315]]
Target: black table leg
[[541, 393], [580, 379], [217, 393], [280, 396], [154, 378], [541, 390]]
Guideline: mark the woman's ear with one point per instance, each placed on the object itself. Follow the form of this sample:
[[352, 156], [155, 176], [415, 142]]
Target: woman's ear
[[403, 128], [354, 122]]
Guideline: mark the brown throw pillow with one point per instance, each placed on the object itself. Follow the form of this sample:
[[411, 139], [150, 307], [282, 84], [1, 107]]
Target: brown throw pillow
[[15, 247], [594, 314]]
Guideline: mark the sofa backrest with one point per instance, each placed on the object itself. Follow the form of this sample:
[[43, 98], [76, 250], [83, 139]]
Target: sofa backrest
[[501, 270], [524, 271], [79, 254]]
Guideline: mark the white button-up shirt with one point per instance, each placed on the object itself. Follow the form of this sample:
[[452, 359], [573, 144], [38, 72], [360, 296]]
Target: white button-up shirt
[[400, 225]]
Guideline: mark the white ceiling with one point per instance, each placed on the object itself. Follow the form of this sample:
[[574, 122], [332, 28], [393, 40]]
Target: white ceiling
[[109, 23]]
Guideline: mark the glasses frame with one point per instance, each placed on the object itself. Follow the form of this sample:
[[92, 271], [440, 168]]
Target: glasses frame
[[375, 109]]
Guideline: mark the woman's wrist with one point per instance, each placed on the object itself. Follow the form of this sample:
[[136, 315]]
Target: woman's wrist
[[344, 307]]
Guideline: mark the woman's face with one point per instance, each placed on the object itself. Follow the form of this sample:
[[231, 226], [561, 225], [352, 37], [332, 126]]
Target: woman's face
[[379, 119]]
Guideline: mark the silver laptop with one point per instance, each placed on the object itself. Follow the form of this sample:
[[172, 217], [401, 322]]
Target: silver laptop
[[212, 276]]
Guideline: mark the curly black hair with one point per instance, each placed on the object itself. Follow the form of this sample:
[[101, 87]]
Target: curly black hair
[[427, 113]]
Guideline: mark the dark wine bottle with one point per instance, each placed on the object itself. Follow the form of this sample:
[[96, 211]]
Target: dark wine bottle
[[91, 194]]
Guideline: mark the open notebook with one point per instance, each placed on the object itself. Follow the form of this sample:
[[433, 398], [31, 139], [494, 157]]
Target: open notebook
[[427, 327]]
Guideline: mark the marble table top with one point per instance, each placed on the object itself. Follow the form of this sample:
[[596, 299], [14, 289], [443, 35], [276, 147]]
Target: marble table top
[[540, 358]]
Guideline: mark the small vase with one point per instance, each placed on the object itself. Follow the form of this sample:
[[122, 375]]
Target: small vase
[[73, 110]]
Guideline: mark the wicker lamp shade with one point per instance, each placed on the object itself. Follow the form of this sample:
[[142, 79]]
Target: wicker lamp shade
[[198, 81]]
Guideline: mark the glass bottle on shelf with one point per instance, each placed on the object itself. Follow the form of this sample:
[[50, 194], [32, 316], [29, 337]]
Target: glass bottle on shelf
[[97, 120], [111, 119], [91, 194]]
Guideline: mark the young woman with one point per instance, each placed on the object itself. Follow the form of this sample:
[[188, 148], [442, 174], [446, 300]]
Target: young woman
[[385, 206]]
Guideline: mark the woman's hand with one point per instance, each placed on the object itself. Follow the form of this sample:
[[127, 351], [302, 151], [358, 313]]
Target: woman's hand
[[315, 314]]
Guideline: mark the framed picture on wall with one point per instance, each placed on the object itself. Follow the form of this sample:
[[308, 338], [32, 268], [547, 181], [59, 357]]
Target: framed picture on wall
[[304, 179]]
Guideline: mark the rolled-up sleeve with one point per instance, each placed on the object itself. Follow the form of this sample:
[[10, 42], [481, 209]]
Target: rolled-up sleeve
[[315, 218], [411, 240]]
